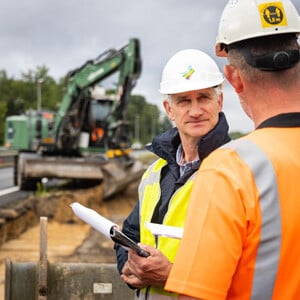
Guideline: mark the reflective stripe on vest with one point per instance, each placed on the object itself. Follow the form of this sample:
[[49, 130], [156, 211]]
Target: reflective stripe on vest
[[267, 259], [154, 170], [149, 188]]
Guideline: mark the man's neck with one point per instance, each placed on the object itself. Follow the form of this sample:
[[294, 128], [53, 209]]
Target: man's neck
[[271, 102], [190, 152]]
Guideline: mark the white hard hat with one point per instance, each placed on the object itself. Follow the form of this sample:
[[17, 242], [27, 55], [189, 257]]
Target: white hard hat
[[189, 70], [245, 19]]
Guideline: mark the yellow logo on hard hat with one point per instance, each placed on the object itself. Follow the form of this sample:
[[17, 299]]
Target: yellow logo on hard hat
[[272, 14], [188, 73]]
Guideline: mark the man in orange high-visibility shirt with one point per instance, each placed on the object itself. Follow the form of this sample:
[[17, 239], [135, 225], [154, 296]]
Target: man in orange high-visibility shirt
[[241, 236]]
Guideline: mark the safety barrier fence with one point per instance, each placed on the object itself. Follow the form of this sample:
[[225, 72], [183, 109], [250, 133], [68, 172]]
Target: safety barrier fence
[[83, 281], [43, 280]]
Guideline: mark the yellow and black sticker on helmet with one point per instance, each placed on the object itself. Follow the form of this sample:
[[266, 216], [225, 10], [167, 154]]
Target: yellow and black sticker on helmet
[[272, 14]]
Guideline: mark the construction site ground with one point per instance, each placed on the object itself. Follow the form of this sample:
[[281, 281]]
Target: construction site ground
[[68, 238]]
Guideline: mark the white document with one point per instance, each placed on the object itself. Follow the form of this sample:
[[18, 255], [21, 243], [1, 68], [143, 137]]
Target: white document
[[163, 230], [106, 227], [91, 217]]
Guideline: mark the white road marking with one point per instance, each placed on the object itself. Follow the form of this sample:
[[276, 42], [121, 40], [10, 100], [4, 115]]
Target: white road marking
[[9, 190]]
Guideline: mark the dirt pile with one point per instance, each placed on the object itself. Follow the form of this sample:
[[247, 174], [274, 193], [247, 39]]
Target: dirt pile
[[69, 239], [56, 207]]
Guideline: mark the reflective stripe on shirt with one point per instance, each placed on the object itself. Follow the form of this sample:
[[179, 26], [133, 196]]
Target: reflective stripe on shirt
[[269, 247]]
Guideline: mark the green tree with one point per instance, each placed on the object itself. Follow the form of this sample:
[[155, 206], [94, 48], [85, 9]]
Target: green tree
[[165, 123], [2, 125], [20, 95], [51, 92], [145, 118], [7, 86]]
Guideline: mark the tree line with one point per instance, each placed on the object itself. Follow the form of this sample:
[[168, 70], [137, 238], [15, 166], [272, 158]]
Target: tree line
[[20, 95]]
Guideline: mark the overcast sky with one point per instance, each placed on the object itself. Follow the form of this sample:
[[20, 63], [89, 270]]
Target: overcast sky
[[63, 34]]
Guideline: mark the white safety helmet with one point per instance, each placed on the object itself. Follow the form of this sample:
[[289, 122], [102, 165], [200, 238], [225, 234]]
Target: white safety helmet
[[189, 70], [245, 19]]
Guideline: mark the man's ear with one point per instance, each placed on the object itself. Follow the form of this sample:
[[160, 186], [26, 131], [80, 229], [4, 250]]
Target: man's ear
[[220, 101], [232, 74], [168, 109]]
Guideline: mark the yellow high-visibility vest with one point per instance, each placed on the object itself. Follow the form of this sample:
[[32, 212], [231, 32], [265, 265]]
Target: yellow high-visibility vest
[[149, 195]]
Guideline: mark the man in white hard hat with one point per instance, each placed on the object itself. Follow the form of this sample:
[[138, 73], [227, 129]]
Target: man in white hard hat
[[192, 87], [245, 204]]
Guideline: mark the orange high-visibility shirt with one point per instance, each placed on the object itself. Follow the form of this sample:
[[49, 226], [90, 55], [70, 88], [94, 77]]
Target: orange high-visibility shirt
[[242, 230]]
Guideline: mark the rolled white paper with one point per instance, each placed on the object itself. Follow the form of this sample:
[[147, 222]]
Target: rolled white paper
[[163, 230], [91, 217]]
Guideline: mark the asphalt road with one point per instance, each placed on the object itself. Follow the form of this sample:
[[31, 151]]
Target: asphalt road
[[9, 192]]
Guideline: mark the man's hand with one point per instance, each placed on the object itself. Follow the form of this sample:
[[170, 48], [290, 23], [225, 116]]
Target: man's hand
[[141, 272]]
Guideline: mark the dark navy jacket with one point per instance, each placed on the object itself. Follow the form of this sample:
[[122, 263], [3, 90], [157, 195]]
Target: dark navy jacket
[[165, 146]]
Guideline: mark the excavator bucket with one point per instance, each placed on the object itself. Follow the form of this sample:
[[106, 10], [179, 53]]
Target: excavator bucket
[[115, 174]]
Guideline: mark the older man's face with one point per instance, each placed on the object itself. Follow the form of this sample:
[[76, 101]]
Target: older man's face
[[195, 113]]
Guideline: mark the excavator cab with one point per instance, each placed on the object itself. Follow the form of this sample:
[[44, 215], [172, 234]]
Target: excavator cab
[[100, 109]]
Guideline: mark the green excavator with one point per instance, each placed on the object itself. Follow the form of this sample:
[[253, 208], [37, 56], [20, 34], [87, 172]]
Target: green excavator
[[87, 138]]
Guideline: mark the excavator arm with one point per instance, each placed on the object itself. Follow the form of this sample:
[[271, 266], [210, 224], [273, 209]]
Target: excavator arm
[[71, 117]]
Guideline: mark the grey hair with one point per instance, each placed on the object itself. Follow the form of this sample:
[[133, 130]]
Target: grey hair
[[218, 89]]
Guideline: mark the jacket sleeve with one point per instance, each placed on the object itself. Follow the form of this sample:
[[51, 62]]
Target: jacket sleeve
[[131, 227]]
